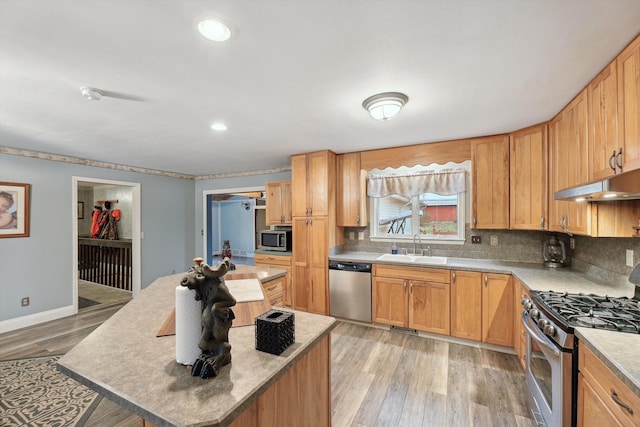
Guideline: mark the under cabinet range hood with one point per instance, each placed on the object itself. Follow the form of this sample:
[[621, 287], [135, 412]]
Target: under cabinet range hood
[[624, 186]]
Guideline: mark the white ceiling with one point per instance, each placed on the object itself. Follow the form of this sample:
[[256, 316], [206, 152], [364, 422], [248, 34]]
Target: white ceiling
[[293, 76]]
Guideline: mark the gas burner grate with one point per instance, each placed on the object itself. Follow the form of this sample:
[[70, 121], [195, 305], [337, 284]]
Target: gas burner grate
[[593, 311]]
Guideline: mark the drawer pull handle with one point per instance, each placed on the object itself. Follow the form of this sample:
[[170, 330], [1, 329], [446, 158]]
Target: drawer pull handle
[[616, 399], [272, 288]]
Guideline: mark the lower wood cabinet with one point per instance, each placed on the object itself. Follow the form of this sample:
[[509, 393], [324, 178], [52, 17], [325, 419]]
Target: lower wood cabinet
[[497, 309], [416, 298], [603, 399], [519, 331], [283, 262], [274, 291], [466, 305]]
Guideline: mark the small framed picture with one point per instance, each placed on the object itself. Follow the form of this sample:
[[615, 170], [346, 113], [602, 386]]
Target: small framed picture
[[15, 201], [80, 210]]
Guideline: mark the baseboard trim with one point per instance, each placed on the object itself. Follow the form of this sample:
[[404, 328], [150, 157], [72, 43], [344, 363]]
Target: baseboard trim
[[36, 318]]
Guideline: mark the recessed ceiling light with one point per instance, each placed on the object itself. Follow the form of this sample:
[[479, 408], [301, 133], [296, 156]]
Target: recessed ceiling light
[[214, 30], [219, 126]]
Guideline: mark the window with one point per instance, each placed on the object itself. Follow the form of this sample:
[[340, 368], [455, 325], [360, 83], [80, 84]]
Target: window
[[434, 216]]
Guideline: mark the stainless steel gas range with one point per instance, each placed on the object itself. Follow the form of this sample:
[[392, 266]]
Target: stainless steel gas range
[[552, 350]]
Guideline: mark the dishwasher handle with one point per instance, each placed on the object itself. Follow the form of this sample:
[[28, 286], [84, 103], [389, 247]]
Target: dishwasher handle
[[359, 267]]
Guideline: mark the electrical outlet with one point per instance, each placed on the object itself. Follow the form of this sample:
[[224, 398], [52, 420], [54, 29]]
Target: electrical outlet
[[494, 240], [351, 235], [361, 235], [572, 243], [629, 257], [24, 302], [476, 240]]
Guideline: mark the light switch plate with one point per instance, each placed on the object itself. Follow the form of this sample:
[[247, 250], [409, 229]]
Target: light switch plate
[[351, 235], [494, 240], [361, 235], [629, 257]]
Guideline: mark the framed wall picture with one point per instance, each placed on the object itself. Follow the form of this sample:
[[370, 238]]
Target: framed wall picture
[[80, 210], [15, 201]]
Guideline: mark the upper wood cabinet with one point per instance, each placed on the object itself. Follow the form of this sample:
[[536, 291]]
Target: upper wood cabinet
[[602, 95], [490, 183], [628, 65], [568, 151], [278, 206], [313, 183], [351, 191], [528, 179]]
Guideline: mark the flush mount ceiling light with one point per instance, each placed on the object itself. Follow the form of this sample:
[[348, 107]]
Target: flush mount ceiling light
[[219, 126], [385, 106], [91, 93], [213, 29]]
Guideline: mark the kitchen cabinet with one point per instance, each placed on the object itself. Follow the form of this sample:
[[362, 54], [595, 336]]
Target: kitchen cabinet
[[411, 297], [310, 265], [520, 333], [490, 183], [282, 262], [602, 95], [628, 67], [274, 291], [313, 192], [528, 178], [466, 305], [497, 309], [603, 399], [568, 167], [278, 205], [351, 191]]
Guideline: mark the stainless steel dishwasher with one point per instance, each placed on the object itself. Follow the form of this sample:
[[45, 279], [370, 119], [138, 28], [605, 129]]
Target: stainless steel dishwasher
[[350, 290]]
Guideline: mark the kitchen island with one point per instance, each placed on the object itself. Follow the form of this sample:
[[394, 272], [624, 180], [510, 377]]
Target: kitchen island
[[126, 362]]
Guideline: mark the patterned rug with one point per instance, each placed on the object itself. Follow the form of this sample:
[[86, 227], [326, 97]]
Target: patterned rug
[[34, 393]]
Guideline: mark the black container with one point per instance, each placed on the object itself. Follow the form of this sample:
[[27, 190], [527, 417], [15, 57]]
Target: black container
[[275, 331]]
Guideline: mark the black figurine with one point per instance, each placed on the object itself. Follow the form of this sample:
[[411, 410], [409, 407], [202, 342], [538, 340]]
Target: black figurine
[[217, 316]]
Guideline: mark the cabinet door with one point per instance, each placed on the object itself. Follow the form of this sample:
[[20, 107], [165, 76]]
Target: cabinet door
[[558, 176], [300, 264], [528, 179], [490, 207], [579, 213], [389, 299], [497, 309], [351, 191], [318, 265], [592, 412], [466, 305], [317, 186], [274, 212], [602, 95], [628, 64], [429, 307], [285, 187], [299, 201]]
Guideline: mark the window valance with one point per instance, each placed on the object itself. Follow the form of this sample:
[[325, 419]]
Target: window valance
[[444, 182]]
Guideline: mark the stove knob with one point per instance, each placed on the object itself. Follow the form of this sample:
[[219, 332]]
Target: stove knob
[[527, 304], [542, 323], [535, 314], [549, 330]]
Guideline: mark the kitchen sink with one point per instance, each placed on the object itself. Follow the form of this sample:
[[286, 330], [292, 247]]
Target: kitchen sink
[[413, 259]]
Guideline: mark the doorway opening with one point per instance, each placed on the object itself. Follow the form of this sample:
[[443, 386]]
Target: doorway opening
[[235, 216], [106, 236]]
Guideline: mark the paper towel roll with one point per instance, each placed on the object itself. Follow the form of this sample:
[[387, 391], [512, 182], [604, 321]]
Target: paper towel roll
[[188, 325]]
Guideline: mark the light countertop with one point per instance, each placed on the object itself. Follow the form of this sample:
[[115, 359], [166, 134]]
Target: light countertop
[[125, 361], [618, 350]]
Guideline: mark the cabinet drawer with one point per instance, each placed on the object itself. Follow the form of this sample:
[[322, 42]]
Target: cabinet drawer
[[267, 260], [605, 384], [276, 300], [273, 287], [433, 275]]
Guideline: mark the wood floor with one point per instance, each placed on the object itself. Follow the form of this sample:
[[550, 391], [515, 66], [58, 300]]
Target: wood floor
[[379, 378]]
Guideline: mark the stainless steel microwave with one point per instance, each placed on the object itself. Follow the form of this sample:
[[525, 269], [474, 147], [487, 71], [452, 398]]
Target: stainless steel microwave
[[275, 240]]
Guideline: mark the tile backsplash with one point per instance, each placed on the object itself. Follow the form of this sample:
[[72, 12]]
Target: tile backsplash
[[600, 258]]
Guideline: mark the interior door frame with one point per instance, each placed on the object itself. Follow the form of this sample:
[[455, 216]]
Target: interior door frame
[[205, 208], [135, 232]]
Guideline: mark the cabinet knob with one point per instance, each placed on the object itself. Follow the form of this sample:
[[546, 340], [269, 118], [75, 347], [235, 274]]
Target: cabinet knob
[[542, 222]]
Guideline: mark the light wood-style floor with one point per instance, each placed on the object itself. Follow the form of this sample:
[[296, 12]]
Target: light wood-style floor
[[379, 377]]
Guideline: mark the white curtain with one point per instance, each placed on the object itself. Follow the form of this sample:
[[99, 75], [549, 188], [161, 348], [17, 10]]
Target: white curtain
[[445, 182]]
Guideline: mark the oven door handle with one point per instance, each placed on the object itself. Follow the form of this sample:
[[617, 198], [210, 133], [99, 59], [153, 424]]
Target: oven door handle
[[541, 339]]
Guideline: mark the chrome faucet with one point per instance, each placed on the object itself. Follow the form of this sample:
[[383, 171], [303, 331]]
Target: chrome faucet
[[415, 250]]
